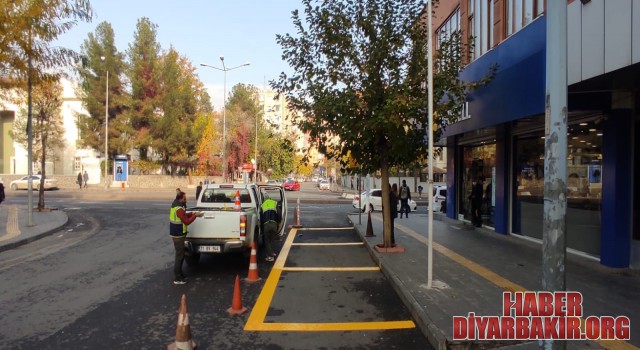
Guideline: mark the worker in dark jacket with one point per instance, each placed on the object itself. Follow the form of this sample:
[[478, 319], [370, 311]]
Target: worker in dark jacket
[[270, 220], [178, 221]]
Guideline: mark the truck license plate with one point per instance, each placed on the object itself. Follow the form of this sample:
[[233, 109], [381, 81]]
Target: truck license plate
[[209, 249]]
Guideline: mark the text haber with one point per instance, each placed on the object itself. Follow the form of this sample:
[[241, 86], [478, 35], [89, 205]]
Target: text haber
[[541, 304]]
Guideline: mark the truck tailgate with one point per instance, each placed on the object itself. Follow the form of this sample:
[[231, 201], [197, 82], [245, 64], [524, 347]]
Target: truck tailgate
[[216, 224]]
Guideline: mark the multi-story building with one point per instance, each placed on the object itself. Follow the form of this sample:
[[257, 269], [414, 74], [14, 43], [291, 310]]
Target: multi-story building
[[68, 160], [500, 141], [279, 117]]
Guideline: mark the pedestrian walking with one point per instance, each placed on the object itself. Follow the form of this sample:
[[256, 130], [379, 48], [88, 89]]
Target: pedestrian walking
[[1, 192], [85, 178], [178, 221], [476, 203], [270, 220], [198, 190], [393, 202], [79, 180], [420, 191], [405, 197]]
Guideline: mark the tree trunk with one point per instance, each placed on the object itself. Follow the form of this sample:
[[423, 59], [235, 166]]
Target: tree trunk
[[386, 205], [43, 172]]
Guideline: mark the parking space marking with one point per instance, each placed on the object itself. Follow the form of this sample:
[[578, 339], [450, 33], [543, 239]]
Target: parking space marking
[[326, 244], [331, 269], [259, 312]]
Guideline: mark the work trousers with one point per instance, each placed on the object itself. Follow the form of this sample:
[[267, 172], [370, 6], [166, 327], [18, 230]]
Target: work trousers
[[178, 244], [270, 228]]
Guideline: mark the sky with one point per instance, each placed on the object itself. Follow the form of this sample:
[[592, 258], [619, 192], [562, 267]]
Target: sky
[[240, 30]]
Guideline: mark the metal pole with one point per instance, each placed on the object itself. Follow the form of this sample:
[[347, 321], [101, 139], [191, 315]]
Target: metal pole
[[224, 126], [430, 126], [30, 147], [106, 134], [264, 108], [555, 157]]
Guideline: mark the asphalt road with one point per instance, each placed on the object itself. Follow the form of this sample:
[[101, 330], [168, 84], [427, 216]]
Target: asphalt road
[[104, 281]]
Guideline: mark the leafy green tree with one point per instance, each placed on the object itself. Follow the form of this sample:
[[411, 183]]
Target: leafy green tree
[[182, 99], [359, 83], [28, 28], [242, 110], [144, 60], [101, 56], [208, 147], [48, 131], [278, 155]]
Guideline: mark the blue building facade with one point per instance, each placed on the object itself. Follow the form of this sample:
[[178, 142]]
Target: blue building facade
[[500, 143]]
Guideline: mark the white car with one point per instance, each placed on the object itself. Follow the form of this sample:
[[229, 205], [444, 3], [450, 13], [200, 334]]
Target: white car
[[439, 197], [323, 185], [373, 198], [23, 183]]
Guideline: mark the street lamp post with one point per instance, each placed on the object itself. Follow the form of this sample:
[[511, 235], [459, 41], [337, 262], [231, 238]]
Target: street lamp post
[[224, 112], [106, 129]]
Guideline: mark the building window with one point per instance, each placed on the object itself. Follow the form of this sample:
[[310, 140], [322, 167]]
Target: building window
[[481, 26], [584, 185], [519, 13], [450, 26]]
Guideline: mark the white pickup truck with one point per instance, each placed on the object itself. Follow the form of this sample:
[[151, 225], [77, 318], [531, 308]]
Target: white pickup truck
[[226, 227]]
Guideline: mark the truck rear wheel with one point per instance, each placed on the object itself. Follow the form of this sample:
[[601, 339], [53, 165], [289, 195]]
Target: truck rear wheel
[[192, 259]]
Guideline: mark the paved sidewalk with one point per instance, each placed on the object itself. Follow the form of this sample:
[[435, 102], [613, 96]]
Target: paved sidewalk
[[14, 230], [472, 267]]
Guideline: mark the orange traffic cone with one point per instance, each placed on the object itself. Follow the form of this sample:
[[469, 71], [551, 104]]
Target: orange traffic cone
[[296, 216], [183, 331], [236, 305], [369, 227], [236, 204], [253, 266]]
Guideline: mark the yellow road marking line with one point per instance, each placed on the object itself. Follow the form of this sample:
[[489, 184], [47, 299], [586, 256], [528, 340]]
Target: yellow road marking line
[[336, 326], [260, 309], [329, 244], [500, 281], [337, 269], [324, 228]]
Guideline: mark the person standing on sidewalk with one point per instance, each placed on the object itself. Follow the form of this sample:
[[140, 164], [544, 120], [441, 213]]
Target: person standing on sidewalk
[[270, 219], [1, 192], [476, 203], [405, 197], [178, 221], [85, 178], [393, 202], [79, 180], [198, 190]]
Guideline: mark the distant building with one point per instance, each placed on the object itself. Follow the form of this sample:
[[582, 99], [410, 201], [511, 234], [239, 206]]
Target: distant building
[[69, 160]]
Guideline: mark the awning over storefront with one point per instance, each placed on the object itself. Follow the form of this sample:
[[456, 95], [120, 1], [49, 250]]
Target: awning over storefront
[[436, 170]]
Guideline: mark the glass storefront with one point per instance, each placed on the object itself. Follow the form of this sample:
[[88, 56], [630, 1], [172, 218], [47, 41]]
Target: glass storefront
[[478, 165], [584, 186]]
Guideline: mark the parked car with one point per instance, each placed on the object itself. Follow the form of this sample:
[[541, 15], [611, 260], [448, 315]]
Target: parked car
[[292, 185], [273, 182], [324, 185], [315, 178], [23, 183], [439, 198], [373, 198]]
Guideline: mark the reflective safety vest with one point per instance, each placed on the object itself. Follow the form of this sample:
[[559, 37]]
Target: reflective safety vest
[[269, 211], [176, 227]]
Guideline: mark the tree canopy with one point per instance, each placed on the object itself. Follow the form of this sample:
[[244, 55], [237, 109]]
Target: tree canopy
[[359, 83], [27, 29]]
